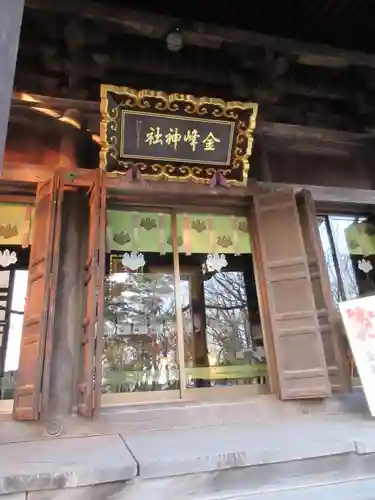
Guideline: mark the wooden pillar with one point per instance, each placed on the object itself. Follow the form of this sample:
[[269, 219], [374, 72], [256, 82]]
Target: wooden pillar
[[11, 12], [69, 307]]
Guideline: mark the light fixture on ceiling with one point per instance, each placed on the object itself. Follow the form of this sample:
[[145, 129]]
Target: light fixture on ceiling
[[175, 40]]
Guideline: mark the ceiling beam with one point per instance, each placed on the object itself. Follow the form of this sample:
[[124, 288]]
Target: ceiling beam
[[116, 62], [332, 195], [206, 35], [277, 112], [26, 173], [220, 74], [280, 131]]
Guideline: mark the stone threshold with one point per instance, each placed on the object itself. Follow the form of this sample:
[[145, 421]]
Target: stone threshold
[[347, 490], [138, 418], [211, 462]]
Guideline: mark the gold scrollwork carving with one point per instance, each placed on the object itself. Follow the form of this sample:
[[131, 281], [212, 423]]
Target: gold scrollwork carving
[[114, 98]]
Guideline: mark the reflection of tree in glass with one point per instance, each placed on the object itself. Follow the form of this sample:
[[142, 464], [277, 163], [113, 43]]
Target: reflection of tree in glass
[[140, 336], [341, 273], [140, 330], [349, 288], [227, 319]]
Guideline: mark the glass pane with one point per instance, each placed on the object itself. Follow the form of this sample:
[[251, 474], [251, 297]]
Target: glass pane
[[12, 334], [222, 333], [351, 246], [337, 291], [140, 334], [352, 242]]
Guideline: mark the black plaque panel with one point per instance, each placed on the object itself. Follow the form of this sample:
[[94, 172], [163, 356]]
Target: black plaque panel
[[174, 138]]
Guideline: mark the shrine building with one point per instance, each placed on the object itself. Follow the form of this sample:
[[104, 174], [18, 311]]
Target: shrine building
[[186, 196]]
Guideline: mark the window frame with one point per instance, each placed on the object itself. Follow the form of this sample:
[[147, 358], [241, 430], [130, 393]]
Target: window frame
[[326, 217]]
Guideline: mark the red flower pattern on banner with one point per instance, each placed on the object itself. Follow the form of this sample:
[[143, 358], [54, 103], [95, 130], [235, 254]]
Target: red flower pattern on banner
[[363, 317]]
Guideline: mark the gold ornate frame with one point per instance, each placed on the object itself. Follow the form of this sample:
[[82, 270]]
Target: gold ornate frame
[[114, 99]]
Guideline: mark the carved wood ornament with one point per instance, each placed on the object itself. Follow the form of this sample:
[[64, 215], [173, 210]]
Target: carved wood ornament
[[186, 134]]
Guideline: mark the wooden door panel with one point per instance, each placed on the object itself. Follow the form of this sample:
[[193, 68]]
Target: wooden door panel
[[332, 336], [289, 304], [32, 380], [92, 327]]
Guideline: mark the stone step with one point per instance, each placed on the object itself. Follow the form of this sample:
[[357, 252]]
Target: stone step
[[161, 416], [204, 463], [166, 416], [349, 490]]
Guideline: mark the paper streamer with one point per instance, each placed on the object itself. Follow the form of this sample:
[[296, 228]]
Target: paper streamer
[[27, 226], [235, 235], [135, 224], [186, 234], [108, 233], [211, 235], [161, 226]]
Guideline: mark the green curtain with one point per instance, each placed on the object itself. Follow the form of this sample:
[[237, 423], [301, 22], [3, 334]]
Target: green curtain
[[197, 233], [15, 223]]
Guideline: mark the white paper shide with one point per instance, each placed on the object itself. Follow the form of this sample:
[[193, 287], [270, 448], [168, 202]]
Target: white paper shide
[[359, 320], [133, 260], [215, 262], [7, 258]]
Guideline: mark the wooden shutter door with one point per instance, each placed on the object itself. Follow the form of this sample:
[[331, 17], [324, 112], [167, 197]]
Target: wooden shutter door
[[33, 375], [329, 322], [93, 323], [288, 303]]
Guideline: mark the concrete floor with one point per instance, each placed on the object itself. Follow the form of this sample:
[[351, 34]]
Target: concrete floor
[[257, 449]]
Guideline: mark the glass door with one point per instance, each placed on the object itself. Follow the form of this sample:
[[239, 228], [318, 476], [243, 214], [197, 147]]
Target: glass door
[[140, 361], [222, 337], [180, 287], [348, 243]]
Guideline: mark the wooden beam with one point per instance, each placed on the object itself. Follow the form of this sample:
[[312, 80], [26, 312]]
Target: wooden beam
[[205, 35], [91, 109], [187, 68], [332, 195], [279, 111], [169, 194], [179, 69], [22, 173], [285, 130], [32, 174], [176, 190], [10, 198], [25, 172]]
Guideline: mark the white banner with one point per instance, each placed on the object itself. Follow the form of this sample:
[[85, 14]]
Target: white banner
[[359, 320]]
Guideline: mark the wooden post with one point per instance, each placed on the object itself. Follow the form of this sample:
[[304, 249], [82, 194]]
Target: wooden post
[[11, 12], [69, 308], [70, 287]]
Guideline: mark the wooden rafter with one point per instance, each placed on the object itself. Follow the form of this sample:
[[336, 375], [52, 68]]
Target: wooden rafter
[[22, 178], [202, 34]]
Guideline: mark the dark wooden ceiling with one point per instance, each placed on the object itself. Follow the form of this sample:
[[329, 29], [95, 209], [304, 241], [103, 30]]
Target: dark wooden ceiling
[[267, 51], [347, 24]]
